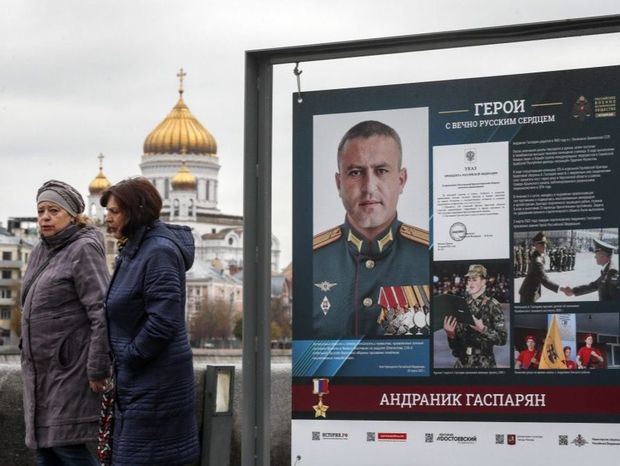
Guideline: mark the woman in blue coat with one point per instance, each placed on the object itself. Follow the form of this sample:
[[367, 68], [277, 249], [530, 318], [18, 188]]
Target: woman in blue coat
[[154, 418]]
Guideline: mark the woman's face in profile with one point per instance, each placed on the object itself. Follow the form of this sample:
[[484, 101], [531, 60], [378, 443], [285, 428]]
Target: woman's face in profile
[[114, 218], [52, 218]]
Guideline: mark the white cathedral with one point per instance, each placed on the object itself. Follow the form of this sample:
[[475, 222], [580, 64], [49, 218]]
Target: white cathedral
[[180, 158]]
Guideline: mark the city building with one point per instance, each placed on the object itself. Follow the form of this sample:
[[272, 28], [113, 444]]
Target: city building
[[14, 253]]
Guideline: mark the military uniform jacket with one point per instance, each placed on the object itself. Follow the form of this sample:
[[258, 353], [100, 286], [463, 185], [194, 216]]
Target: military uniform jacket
[[349, 272], [607, 285], [531, 287], [473, 348]]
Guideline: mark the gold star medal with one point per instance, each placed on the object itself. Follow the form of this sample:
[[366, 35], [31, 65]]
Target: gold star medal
[[320, 409], [320, 387]]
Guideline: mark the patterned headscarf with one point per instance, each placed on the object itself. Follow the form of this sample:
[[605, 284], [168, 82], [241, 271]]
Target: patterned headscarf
[[63, 195]]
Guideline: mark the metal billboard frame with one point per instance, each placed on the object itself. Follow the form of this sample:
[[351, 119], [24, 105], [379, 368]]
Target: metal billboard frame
[[255, 432]]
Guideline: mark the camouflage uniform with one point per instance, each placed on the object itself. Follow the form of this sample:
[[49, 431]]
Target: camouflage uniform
[[475, 349]]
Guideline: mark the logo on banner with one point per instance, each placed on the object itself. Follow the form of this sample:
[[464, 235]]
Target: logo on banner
[[499, 439], [392, 436], [605, 106], [428, 438], [511, 439], [582, 109], [563, 440], [443, 437], [320, 387], [580, 441], [317, 435]]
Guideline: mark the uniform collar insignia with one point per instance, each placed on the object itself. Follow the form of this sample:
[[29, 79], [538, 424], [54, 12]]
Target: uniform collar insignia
[[385, 240], [378, 247], [351, 238]]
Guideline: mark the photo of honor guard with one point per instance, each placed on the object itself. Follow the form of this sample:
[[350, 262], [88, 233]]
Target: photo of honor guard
[[607, 284], [536, 277], [472, 344], [372, 248]]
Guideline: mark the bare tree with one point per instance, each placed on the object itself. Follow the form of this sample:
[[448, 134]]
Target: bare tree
[[212, 321]]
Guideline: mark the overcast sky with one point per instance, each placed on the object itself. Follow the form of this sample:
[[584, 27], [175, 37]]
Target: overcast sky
[[79, 77]]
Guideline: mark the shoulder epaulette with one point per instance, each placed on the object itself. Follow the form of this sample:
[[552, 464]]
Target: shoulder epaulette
[[414, 234], [326, 237]]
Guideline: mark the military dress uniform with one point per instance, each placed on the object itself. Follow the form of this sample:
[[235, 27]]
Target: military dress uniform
[[536, 277], [607, 285], [349, 272], [475, 349]]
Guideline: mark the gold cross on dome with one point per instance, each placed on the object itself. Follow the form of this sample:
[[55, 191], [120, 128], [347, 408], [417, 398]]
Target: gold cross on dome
[[181, 74], [100, 157]]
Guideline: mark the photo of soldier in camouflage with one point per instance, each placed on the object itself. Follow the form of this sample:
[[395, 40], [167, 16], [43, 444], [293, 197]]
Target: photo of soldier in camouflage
[[481, 344]]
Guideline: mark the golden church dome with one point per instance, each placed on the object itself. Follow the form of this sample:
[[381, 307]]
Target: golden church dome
[[183, 180], [101, 182], [180, 130]]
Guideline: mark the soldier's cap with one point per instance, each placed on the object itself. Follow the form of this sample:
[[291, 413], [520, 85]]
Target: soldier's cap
[[477, 269], [530, 337], [603, 246], [540, 238]]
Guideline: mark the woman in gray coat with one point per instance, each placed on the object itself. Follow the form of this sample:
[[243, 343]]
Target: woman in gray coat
[[65, 354]]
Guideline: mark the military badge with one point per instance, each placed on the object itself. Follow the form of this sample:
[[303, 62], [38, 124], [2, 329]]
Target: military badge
[[325, 286], [325, 305], [320, 387]]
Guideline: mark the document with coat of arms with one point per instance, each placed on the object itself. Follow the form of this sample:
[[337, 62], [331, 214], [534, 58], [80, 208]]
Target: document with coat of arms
[[470, 201]]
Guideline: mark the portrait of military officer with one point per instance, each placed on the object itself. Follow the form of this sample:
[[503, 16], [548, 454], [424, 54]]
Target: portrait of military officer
[[607, 284], [536, 276], [472, 344], [372, 248]]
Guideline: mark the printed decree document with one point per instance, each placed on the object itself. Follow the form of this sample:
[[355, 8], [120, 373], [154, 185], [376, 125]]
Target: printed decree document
[[470, 201]]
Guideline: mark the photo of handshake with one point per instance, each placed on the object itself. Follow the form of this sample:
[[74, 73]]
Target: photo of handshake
[[567, 290]]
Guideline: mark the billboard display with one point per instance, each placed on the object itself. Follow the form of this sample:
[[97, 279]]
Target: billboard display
[[456, 268]]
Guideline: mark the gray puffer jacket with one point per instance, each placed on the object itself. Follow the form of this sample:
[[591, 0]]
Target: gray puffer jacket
[[64, 337]]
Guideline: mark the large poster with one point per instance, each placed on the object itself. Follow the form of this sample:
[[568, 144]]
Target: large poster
[[456, 270]]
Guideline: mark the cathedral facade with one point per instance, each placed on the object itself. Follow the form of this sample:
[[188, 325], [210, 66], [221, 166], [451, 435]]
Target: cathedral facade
[[180, 158]]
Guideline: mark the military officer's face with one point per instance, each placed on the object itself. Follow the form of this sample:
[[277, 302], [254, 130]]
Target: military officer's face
[[601, 257], [475, 285], [540, 247], [531, 344], [369, 182]]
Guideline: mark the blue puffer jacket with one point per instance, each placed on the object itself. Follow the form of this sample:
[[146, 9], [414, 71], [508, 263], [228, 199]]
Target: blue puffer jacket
[[154, 421]]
